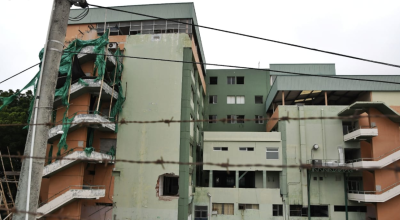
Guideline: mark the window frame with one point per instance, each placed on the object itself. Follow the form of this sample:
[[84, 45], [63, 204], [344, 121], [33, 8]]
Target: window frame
[[211, 117], [232, 97], [259, 119], [246, 148], [231, 80], [223, 208], [214, 99], [277, 210], [255, 99], [216, 80], [230, 120], [220, 148], [272, 150], [238, 97], [240, 117]]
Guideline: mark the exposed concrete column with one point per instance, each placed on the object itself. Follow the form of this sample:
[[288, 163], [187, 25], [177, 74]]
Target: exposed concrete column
[[237, 178], [210, 180], [264, 179], [36, 143]]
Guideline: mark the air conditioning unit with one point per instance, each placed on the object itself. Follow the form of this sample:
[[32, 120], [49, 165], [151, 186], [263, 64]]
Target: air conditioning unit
[[317, 162], [112, 45]]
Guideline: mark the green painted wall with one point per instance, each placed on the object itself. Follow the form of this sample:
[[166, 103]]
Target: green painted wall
[[255, 83], [153, 91]]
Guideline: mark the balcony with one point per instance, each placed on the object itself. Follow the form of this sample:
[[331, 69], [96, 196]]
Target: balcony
[[375, 196], [72, 159], [361, 133], [69, 195], [93, 87], [90, 120], [378, 162]]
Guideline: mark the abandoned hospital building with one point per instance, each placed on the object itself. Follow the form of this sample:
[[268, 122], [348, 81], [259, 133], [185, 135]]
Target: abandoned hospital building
[[332, 166]]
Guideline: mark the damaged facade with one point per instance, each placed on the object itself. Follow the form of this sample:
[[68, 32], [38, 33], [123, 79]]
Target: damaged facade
[[155, 90]]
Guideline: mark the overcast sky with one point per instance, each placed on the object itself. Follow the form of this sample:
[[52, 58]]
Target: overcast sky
[[368, 29]]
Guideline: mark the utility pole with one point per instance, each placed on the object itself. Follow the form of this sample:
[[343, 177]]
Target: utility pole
[[36, 142]]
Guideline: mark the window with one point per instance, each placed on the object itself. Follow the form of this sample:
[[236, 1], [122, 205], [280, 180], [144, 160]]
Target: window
[[246, 148], [231, 80], [272, 153], [240, 119], [106, 144], [223, 208], [230, 99], [342, 208], [240, 99], [170, 186], [220, 149], [213, 80], [258, 99], [240, 80], [259, 119], [297, 210], [315, 210], [248, 206], [277, 210], [231, 119], [212, 117], [200, 213], [212, 99]]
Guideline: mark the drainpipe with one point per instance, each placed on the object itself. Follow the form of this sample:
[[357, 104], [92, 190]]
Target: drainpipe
[[308, 192], [345, 195], [209, 205]]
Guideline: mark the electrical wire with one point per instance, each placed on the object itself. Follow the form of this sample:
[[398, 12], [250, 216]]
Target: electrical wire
[[81, 15], [19, 73], [243, 67], [255, 37]]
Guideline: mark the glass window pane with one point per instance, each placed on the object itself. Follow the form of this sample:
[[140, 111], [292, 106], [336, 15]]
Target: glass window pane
[[230, 100]]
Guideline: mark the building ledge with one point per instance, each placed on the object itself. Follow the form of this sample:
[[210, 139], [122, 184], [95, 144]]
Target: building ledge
[[375, 196], [72, 159], [361, 134], [90, 120]]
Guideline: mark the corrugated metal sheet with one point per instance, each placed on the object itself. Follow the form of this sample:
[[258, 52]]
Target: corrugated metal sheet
[[315, 69], [300, 83], [168, 11]]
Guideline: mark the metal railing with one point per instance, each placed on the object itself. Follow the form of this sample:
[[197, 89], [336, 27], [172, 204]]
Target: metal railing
[[376, 191], [83, 187], [374, 158], [327, 162]]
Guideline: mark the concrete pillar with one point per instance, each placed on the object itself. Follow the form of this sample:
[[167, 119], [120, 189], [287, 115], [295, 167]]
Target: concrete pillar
[[237, 179], [264, 179], [210, 183]]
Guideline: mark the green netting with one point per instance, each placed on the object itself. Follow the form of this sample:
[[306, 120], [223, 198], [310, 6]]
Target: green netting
[[65, 127], [66, 62], [83, 83], [88, 151], [117, 108], [119, 66], [111, 152], [89, 144], [50, 155], [7, 100]]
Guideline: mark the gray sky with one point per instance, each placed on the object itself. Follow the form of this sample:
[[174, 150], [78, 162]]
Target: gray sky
[[369, 29]]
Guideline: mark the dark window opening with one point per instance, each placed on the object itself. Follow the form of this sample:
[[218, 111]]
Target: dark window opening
[[170, 186], [315, 210], [212, 117], [240, 80], [222, 179], [231, 80], [231, 119], [200, 213], [351, 154], [221, 148], [92, 172], [248, 180], [240, 119], [248, 206], [321, 178], [213, 80], [212, 99], [258, 99], [342, 208], [277, 210], [103, 204], [246, 148], [315, 178]]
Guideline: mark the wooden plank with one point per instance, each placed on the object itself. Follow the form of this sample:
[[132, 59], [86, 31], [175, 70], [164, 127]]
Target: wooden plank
[[12, 167], [12, 173], [199, 66], [5, 176]]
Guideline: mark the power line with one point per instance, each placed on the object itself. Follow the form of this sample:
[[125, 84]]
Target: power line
[[255, 37], [243, 67], [19, 73]]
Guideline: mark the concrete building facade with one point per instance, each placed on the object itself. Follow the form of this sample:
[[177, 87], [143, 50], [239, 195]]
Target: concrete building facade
[[296, 169]]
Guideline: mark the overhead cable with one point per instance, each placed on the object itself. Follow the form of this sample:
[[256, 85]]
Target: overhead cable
[[255, 37], [19, 73]]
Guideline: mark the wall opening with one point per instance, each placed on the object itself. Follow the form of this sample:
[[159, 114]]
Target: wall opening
[[167, 185]]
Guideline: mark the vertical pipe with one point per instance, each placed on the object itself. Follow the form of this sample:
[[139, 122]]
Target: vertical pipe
[[210, 181], [345, 195], [264, 179], [237, 178], [308, 192]]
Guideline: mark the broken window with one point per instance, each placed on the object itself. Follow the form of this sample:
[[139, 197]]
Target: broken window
[[259, 119], [240, 119], [223, 208], [200, 213], [240, 99], [277, 210], [212, 117], [212, 99], [259, 99], [213, 80], [297, 210], [240, 80], [170, 186], [221, 148], [231, 80], [248, 206], [272, 153]]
